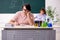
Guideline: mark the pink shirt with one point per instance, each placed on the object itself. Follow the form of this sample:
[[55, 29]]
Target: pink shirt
[[20, 18]]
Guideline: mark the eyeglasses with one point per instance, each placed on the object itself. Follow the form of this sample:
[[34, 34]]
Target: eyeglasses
[[25, 10]]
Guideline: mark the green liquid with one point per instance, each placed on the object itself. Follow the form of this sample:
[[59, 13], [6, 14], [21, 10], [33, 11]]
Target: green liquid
[[44, 24]]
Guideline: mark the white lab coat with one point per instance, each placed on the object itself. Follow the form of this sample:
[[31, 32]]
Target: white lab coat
[[39, 17]]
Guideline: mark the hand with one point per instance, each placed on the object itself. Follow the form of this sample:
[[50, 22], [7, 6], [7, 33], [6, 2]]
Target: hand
[[30, 18], [28, 14]]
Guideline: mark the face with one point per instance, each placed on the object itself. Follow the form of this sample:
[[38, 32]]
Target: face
[[42, 12], [25, 10]]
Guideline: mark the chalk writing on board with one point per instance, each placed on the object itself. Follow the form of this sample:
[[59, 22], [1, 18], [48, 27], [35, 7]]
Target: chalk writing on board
[[13, 4]]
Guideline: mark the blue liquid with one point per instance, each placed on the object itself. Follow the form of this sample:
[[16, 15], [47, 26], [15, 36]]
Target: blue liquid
[[49, 24]]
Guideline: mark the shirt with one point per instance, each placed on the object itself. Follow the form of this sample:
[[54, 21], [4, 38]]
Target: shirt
[[40, 17], [20, 18]]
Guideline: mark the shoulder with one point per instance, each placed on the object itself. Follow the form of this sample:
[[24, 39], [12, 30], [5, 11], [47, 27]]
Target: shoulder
[[44, 15], [18, 12], [31, 14], [37, 14]]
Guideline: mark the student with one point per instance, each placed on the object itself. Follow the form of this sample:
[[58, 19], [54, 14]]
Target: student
[[41, 16], [23, 17]]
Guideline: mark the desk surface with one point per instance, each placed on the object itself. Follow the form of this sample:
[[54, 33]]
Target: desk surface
[[27, 28]]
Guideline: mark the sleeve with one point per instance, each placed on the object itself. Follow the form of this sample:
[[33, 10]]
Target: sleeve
[[16, 16], [32, 17]]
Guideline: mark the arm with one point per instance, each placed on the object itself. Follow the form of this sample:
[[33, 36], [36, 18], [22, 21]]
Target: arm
[[30, 19], [14, 19]]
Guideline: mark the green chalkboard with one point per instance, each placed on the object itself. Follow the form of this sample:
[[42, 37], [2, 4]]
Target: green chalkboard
[[12, 6]]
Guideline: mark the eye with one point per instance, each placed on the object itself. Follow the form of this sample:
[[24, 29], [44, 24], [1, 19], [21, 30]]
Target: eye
[[24, 9]]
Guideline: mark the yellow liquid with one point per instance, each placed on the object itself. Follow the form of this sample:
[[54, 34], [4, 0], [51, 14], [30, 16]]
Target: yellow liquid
[[35, 25]]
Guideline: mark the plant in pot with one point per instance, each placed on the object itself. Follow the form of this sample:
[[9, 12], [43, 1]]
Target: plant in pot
[[51, 12]]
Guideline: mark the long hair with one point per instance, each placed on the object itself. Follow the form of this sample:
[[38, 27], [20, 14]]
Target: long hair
[[43, 10]]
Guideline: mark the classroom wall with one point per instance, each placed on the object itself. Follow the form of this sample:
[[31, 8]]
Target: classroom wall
[[5, 18], [54, 4]]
